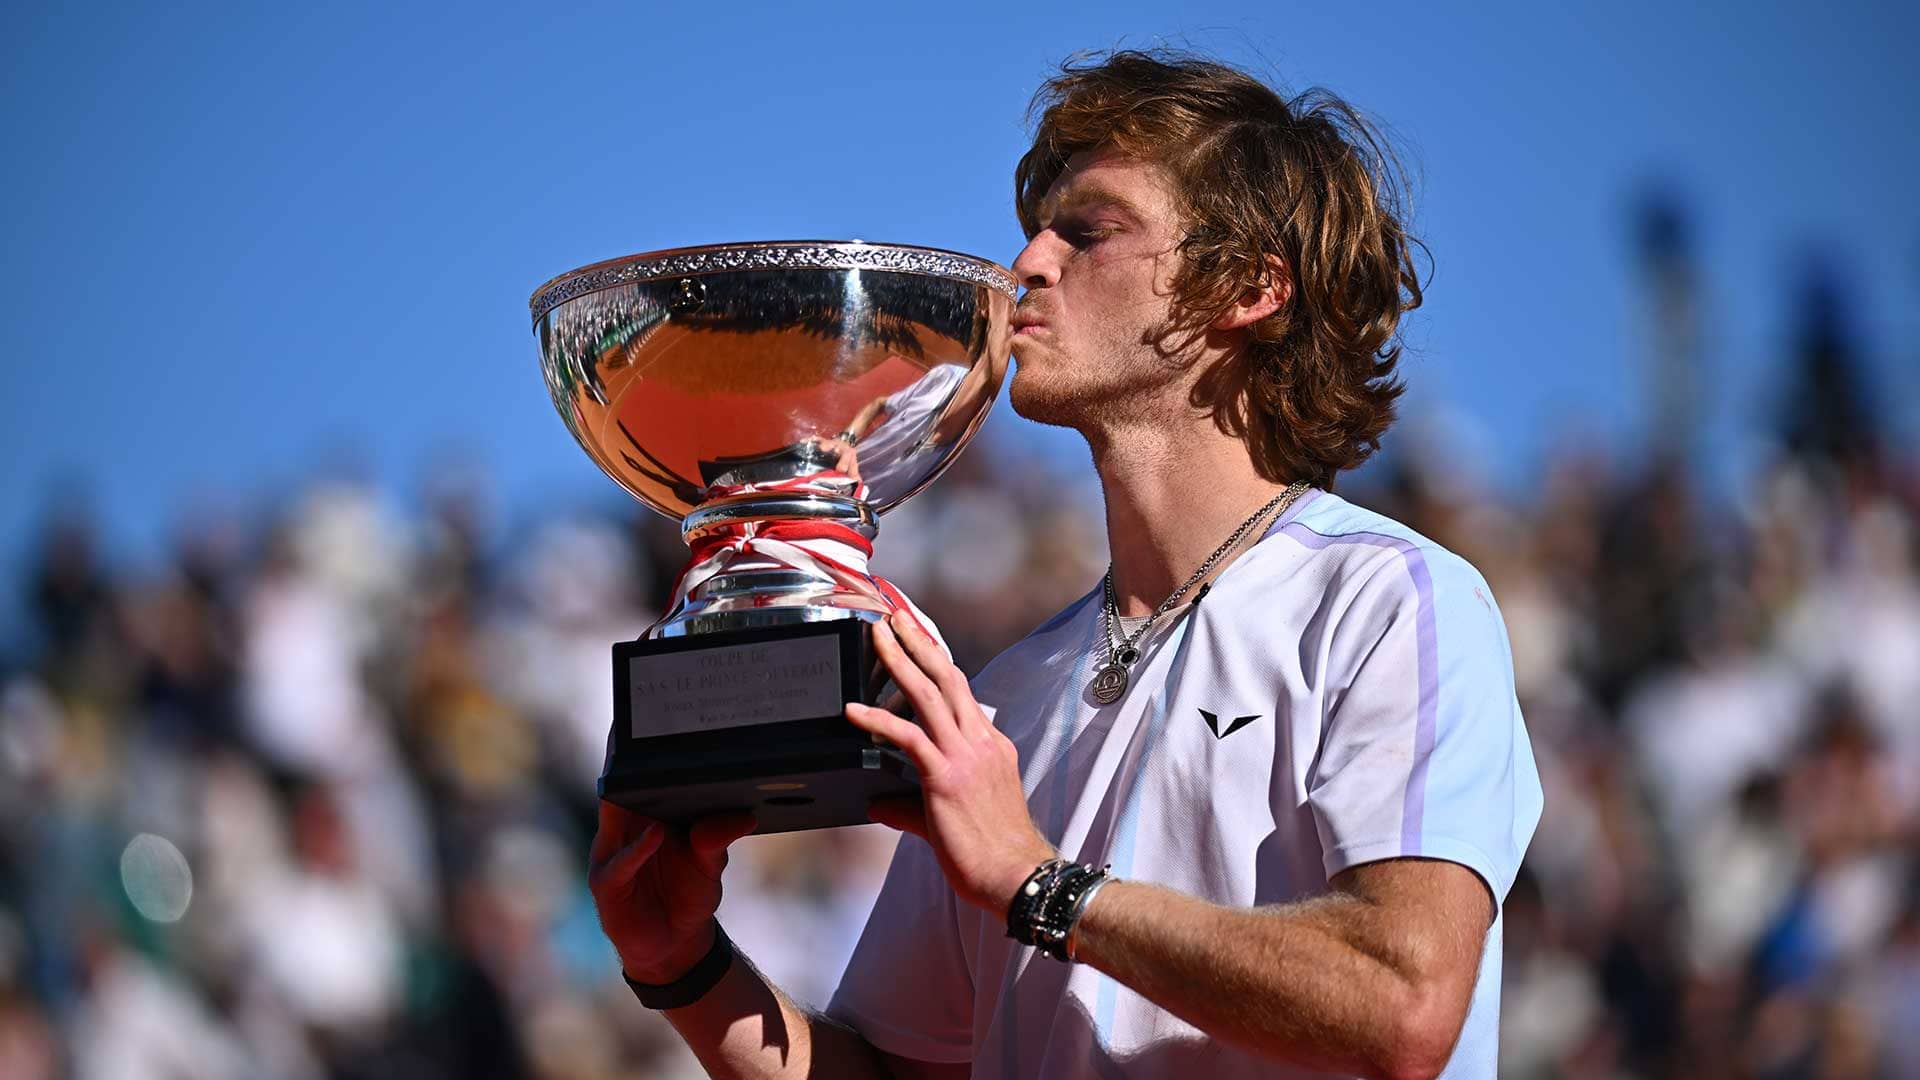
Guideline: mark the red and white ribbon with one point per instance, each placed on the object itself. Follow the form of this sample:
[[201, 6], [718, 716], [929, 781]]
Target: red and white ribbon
[[823, 550]]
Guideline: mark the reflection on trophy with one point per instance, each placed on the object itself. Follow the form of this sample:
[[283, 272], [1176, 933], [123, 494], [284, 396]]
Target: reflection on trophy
[[775, 398]]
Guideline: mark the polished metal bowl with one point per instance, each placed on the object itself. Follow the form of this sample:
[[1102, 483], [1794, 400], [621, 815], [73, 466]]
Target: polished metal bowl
[[691, 373]]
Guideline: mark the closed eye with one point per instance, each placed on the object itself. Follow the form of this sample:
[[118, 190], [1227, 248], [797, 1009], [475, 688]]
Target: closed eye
[[1084, 234]]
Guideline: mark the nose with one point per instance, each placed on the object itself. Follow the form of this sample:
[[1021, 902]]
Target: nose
[[1038, 266]]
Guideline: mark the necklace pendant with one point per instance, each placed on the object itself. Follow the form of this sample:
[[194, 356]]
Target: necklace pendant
[[1128, 656], [1109, 683]]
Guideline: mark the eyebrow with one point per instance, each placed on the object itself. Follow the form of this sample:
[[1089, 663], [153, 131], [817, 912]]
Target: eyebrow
[[1089, 195]]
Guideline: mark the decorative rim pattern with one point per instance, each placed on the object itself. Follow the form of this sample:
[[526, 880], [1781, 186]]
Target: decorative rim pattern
[[794, 255]]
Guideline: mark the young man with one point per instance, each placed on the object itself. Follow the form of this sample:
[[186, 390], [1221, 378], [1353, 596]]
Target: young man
[[1286, 723]]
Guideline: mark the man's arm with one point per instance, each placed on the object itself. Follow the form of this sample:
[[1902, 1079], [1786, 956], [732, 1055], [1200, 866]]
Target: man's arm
[[656, 888], [746, 1027], [1373, 979]]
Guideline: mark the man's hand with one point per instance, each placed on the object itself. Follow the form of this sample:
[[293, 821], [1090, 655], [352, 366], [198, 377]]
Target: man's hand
[[972, 809], [657, 887]]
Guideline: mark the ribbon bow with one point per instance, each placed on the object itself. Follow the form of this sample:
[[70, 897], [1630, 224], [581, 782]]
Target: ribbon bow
[[823, 550]]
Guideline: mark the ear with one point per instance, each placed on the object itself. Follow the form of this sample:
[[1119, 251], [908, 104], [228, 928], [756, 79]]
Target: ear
[[1261, 301]]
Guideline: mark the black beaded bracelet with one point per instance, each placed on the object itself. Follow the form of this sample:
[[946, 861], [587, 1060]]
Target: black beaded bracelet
[[691, 987], [1048, 903], [1063, 909], [1024, 909]]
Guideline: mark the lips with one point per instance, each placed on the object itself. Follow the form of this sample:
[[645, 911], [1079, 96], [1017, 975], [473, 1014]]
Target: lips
[[1026, 320]]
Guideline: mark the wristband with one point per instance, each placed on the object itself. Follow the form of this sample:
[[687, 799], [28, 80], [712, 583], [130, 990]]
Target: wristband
[[1023, 912], [692, 986], [1048, 904]]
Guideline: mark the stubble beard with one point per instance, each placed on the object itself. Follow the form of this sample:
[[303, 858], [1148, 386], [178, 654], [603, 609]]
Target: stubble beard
[[1109, 390], [1061, 395], [1044, 398]]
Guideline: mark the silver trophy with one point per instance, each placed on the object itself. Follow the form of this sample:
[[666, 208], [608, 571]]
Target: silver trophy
[[775, 399]]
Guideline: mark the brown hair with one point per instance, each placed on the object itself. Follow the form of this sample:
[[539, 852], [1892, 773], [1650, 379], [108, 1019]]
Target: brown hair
[[1306, 180]]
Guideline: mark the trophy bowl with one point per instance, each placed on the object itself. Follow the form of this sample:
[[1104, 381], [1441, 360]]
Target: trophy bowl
[[669, 366], [775, 398]]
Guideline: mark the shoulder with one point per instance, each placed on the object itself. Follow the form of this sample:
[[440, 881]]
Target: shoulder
[[1350, 533], [1377, 542], [1367, 565]]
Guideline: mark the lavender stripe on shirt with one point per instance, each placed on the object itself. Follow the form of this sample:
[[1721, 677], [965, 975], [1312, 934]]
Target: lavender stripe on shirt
[[1428, 660]]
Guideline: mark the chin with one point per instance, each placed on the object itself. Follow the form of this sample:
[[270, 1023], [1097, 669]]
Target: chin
[[1043, 400]]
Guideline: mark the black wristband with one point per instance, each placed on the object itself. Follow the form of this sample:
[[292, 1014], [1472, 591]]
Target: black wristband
[[1057, 915], [1024, 908], [1049, 902], [692, 986]]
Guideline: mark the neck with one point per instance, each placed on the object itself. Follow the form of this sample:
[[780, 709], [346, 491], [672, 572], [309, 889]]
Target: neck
[[1174, 493]]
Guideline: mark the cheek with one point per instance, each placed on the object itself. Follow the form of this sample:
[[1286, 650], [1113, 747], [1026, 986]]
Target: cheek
[[1123, 286]]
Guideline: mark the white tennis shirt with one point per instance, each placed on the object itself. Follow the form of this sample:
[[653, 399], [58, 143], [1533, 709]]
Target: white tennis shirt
[[1343, 694]]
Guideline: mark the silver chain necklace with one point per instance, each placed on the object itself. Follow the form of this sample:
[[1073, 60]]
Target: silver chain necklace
[[1110, 682]]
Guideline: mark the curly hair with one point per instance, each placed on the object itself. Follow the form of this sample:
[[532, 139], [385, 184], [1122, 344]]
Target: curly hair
[[1304, 187]]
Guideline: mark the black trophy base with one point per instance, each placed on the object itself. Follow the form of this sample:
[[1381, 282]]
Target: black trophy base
[[750, 720], [818, 790]]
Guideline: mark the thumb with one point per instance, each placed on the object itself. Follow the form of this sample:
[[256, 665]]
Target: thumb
[[618, 827], [904, 812], [709, 837], [617, 870]]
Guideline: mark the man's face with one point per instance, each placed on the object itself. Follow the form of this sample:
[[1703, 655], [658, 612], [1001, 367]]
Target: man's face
[[1099, 293]]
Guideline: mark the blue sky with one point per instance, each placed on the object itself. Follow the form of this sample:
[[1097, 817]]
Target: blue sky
[[244, 241]]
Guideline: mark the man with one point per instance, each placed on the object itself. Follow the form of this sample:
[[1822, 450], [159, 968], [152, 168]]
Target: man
[[1286, 723]]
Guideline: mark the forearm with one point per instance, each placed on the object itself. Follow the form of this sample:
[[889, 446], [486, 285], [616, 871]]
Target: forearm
[[745, 1028], [1325, 983]]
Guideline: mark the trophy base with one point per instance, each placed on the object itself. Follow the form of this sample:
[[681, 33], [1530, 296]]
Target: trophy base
[[817, 789], [750, 720]]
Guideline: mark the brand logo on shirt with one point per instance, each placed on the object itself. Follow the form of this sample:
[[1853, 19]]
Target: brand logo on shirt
[[1238, 722]]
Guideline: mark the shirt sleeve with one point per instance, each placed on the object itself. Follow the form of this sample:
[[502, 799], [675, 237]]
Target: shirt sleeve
[[908, 989], [1424, 752]]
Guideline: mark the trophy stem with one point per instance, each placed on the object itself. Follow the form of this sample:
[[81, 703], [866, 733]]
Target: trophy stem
[[854, 514]]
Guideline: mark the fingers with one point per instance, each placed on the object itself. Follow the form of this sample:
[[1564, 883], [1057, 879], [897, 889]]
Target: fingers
[[618, 826], [846, 458], [618, 869], [928, 701], [947, 677], [903, 733], [709, 837], [904, 812], [897, 704]]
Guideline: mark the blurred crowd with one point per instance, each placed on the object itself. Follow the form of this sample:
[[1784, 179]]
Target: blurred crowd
[[313, 798]]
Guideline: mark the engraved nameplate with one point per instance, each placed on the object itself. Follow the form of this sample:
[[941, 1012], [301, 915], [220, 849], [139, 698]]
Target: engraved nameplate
[[733, 686]]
